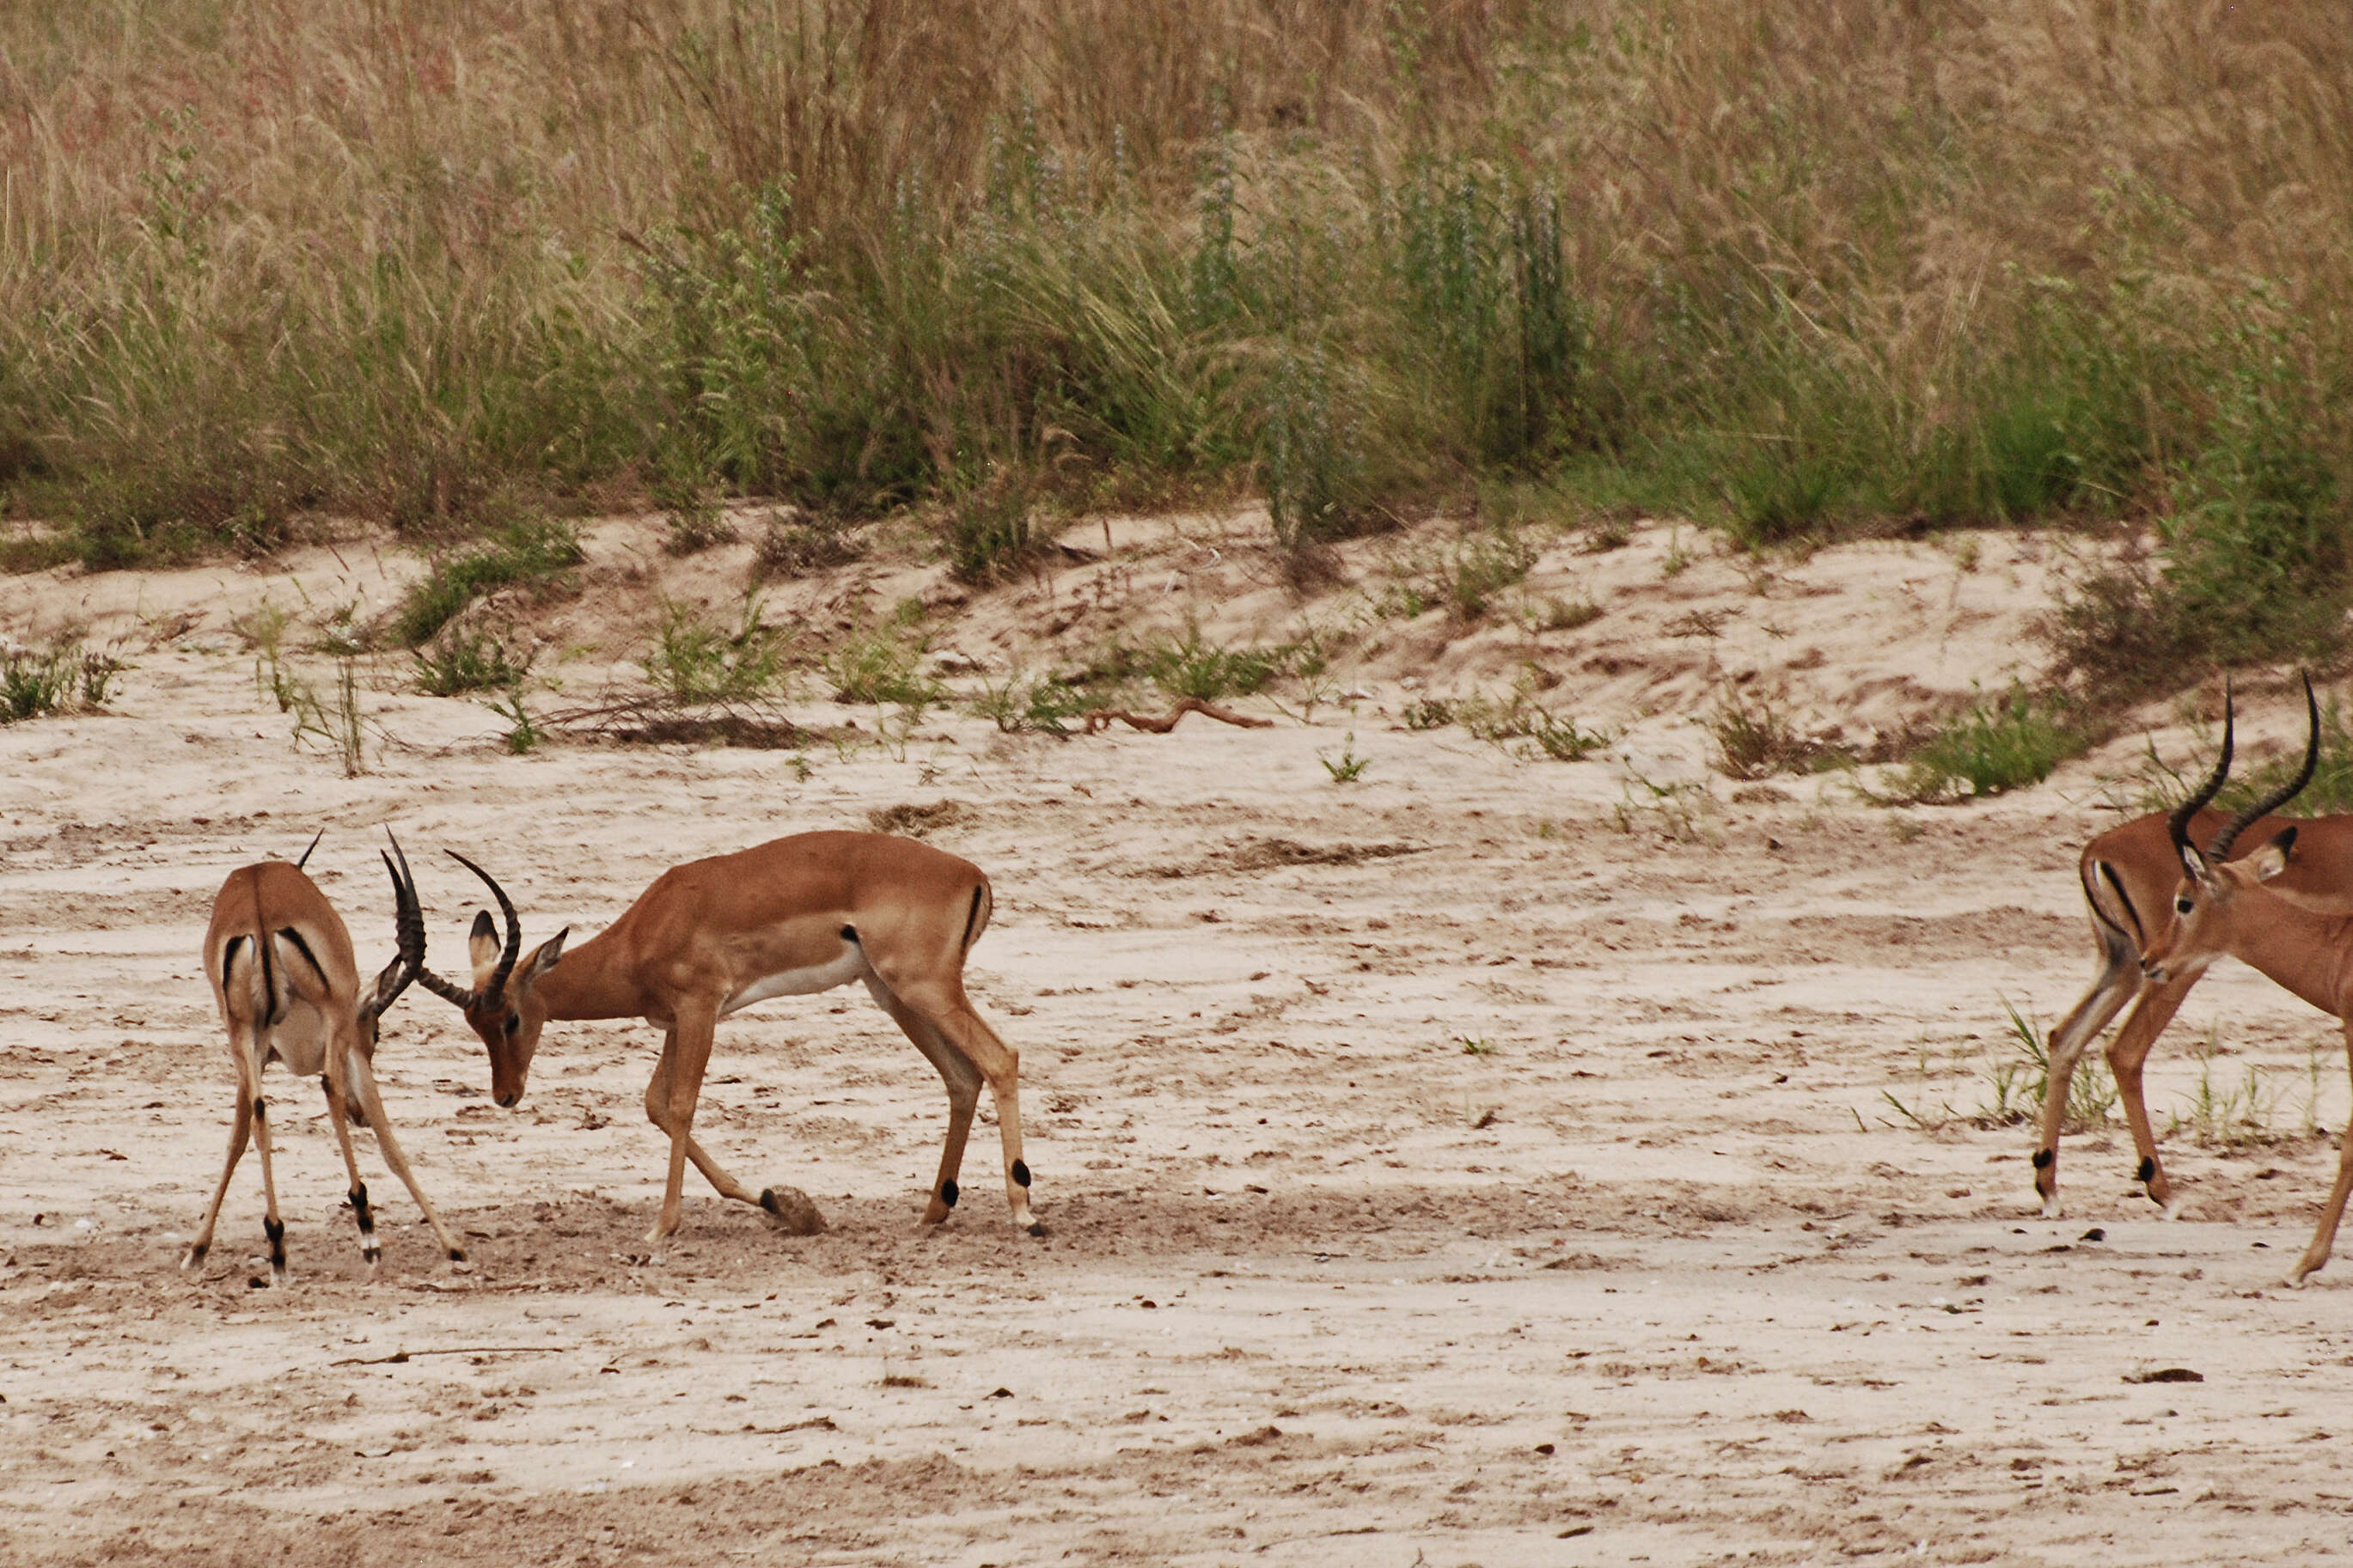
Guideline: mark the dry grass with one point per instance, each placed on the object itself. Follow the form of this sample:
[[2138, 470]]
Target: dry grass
[[1791, 265]]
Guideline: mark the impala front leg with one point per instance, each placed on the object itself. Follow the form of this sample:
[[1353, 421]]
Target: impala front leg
[[670, 1105], [2324, 1236]]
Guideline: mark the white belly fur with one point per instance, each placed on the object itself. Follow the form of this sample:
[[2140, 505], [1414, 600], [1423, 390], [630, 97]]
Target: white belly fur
[[299, 1040], [850, 966]]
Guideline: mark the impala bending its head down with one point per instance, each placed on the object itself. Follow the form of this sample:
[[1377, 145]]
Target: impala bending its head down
[[287, 987], [786, 918]]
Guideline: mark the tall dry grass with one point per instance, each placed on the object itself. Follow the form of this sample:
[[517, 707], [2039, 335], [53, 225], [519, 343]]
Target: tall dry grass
[[1790, 267]]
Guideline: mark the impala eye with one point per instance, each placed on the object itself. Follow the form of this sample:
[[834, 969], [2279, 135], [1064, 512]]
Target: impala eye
[[515, 1022], [2182, 906]]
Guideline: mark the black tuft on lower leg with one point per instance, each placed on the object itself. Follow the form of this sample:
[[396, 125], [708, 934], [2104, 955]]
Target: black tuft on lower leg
[[260, 1110], [1021, 1174], [197, 1254], [275, 1230], [2147, 1171], [768, 1200], [2044, 1157], [457, 1254], [948, 1192]]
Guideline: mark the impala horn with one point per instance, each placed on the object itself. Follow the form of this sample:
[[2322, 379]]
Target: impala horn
[[2280, 796], [2178, 824], [491, 993], [408, 925]]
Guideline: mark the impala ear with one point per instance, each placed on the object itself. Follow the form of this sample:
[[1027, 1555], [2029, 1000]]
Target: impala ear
[[2191, 861], [2272, 857], [482, 946], [550, 953]]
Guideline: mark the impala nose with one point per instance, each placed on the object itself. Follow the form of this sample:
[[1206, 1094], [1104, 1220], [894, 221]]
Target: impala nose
[[507, 1101]]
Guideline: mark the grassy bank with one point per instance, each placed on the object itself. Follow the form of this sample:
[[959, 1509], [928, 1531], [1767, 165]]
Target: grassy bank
[[1795, 270]]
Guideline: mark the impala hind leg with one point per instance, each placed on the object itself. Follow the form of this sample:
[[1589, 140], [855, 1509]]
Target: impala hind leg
[[2324, 1234], [240, 1134], [271, 1226], [2126, 1054], [371, 1102], [338, 1118], [2118, 981], [942, 1005], [962, 1081]]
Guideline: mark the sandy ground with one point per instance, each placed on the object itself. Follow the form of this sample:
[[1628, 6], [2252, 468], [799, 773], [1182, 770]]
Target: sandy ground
[[1486, 1161]]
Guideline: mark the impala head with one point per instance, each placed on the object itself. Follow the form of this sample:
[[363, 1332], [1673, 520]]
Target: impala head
[[500, 1004], [408, 928], [2213, 881]]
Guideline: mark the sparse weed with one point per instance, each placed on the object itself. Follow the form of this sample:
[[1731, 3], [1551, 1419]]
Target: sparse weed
[[34, 682], [530, 552], [2226, 1115], [1192, 667], [1023, 701], [884, 664], [791, 547], [696, 660], [1347, 767], [1520, 718], [523, 734], [1474, 1046], [1996, 745], [462, 660], [1428, 713], [1755, 739], [2019, 1081]]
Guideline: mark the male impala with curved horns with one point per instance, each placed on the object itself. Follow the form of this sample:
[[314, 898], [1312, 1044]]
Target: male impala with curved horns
[[288, 986], [2128, 874], [791, 917], [2224, 906]]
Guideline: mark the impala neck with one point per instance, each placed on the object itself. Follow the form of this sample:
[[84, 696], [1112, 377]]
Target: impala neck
[[2300, 949], [595, 980]]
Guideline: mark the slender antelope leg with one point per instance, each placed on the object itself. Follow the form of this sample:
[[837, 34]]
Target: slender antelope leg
[[370, 1252], [962, 1081], [271, 1226], [241, 1133], [2324, 1235], [2116, 984], [372, 1103], [939, 1001], [670, 1105], [2126, 1054]]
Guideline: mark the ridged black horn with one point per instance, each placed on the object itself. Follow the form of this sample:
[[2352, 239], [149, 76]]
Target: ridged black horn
[[2178, 824], [408, 927], [491, 993], [2280, 796]]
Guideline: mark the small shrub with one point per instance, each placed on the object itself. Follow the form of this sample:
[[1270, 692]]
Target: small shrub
[[2012, 741], [988, 529], [1558, 615], [787, 548], [461, 660], [1031, 702], [693, 524], [535, 550], [523, 734], [1193, 668], [1755, 740], [1521, 717], [35, 682], [1347, 767], [695, 659], [1428, 713], [884, 665]]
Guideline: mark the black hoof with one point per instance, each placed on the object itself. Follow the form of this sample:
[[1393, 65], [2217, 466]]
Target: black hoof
[[1036, 1227], [457, 1254]]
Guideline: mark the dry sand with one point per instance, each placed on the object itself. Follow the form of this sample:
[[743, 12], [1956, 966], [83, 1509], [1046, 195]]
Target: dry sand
[[1485, 1161]]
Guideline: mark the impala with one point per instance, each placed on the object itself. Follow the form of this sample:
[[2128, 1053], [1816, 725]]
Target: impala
[[2129, 874], [786, 918], [288, 986], [2223, 906]]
